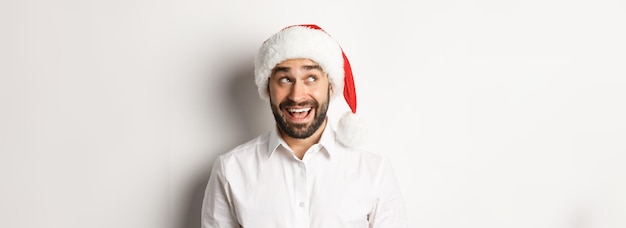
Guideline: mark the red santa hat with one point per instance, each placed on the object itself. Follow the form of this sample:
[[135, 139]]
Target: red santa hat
[[309, 41]]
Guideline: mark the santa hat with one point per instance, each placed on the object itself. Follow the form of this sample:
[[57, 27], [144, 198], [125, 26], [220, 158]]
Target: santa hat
[[312, 42]]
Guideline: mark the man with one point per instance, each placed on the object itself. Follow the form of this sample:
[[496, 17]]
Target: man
[[303, 173]]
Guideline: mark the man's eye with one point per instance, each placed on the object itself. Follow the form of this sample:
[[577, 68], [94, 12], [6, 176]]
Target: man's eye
[[311, 79], [284, 80]]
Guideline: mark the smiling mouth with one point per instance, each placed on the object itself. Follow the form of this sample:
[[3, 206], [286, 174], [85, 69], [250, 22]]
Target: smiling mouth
[[298, 113]]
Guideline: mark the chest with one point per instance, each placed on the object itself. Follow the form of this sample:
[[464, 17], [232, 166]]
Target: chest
[[297, 194]]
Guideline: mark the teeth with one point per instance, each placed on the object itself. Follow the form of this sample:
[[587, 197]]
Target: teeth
[[299, 109]]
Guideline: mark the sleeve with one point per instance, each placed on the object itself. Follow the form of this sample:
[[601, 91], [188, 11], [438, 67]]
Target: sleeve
[[217, 209], [389, 211]]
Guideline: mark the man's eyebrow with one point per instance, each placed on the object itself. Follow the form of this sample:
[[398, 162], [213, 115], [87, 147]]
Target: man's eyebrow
[[281, 69], [312, 67]]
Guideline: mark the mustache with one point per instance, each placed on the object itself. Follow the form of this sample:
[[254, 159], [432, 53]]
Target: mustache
[[291, 103]]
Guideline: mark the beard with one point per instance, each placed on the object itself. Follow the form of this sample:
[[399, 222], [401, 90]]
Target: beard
[[300, 130]]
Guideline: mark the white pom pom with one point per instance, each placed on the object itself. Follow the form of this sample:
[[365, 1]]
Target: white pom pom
[[351, 130]]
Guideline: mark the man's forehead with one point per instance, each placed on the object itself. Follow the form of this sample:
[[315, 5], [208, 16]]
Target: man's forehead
[[305, 64], [290, 62]]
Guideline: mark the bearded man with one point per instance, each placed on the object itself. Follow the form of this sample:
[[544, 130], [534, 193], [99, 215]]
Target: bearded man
[[303, 173]]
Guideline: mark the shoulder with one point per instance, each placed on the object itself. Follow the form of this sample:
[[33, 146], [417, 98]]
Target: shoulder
[[242, 155], [366, 160], [247, 149], [361, 154]]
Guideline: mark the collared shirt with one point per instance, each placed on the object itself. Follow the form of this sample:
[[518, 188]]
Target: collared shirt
[[262, 183]]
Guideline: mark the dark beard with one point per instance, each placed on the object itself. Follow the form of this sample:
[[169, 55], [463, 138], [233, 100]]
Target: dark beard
[[300, 131]]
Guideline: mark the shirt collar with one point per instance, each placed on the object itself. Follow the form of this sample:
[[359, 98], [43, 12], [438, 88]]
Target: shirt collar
[[327, 141], [274, 141]]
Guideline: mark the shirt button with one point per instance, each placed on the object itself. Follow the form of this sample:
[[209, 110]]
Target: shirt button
[[301, 204]]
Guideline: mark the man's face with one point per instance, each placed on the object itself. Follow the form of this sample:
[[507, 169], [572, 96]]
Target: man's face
[[299, 95]]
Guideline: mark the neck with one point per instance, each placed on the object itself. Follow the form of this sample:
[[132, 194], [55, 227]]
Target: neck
[[300, 146]]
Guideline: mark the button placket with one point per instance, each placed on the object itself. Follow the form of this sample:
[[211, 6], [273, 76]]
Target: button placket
[[302, 210]]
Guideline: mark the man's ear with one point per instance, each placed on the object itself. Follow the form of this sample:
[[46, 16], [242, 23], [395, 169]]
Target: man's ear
[[330, 86]]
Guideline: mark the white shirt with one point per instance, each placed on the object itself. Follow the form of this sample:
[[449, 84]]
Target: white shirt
[[262, 183]]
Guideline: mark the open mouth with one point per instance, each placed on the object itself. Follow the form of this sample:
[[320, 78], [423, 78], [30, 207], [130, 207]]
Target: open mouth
[[298, 114]]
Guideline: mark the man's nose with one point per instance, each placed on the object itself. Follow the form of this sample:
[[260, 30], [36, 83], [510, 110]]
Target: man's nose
[[298, 91]]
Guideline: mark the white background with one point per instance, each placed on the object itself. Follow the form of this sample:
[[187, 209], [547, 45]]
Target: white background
[[494, 113]]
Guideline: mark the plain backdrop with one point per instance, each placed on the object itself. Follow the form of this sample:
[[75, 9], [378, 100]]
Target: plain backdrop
[[493, 113]]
